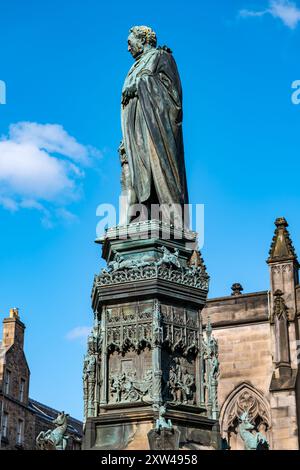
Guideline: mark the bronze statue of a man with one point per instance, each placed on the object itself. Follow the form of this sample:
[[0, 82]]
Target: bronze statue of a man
[[152, 152]]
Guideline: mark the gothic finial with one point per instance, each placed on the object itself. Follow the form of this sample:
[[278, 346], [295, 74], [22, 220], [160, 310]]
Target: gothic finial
[[196, 260], [282, 248], [237, 289], [281, 222]]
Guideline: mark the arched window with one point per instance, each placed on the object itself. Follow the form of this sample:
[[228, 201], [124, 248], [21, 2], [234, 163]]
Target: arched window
[[244, 398]]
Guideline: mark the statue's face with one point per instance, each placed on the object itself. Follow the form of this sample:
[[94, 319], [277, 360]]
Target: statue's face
[[135, 45], [262, 428]]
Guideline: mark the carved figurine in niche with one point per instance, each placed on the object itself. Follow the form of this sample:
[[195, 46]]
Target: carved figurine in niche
[[215, 371], [116, 385], [89, 373], [172, 383], [188, 387], [181, 383], [157, 335]]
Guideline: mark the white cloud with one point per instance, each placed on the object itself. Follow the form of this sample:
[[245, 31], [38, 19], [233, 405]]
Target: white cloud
[[80, 332], [66, 215], [8, 203], [285, 10], [41, 166], [250, 13]]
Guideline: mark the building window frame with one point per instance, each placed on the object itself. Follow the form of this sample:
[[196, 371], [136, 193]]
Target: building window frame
[[4, 425], [20, 433], [7, 381], [22, 390]]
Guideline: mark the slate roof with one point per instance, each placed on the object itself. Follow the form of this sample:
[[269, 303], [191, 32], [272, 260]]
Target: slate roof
[[48, 414]]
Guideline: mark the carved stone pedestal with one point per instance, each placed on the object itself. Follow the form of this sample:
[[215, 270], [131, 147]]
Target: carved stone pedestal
[[147, 348]]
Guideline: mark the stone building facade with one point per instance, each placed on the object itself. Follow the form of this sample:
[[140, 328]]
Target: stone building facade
[[258, 337], [21, 418]]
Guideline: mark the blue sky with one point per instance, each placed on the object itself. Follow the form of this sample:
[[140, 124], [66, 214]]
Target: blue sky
[[64, 63]]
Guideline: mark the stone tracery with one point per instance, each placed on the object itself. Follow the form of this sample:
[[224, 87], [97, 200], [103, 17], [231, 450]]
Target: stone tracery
[[243, 399]]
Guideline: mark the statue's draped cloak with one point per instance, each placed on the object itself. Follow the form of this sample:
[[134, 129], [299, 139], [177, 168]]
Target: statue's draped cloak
[[152, 129]]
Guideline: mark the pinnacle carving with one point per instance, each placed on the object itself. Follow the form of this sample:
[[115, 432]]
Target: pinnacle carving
[[282, 248], [280, 309], [197, 261]]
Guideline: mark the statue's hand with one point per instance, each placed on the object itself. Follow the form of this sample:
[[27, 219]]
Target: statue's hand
[[121, 149], [128, 94]]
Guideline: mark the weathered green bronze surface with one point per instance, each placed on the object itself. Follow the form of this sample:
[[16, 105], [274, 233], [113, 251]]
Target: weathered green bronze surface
[[54, 439], [150, 373], [252, 440], [152, 153]]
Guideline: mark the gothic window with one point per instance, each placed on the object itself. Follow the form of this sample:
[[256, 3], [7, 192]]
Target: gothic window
[[244, 399]]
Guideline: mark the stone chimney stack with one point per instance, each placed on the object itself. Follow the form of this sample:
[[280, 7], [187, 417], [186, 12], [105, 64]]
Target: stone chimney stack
[[13, 330]]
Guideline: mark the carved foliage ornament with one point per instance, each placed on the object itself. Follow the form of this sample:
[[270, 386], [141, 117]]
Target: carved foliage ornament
[[280, 309], [169, 266], [185, 276]]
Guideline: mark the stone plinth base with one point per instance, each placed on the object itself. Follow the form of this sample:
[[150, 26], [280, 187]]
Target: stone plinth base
[[147, 347], [130, 431]]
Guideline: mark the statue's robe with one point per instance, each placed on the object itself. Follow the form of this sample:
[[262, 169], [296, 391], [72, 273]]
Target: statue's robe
[[152, 129]]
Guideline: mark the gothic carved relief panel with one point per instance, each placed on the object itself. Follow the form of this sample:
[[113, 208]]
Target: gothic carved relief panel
[[179, 382], [180, 329], [130, 377], [129, 327], [134, 332]]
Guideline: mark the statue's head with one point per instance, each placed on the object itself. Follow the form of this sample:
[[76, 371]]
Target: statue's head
[[61, 418], [244, 419], [262, 427], [139, 39]]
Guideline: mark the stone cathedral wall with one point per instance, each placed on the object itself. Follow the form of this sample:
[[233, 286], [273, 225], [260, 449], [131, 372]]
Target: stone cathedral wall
[[246, 345]]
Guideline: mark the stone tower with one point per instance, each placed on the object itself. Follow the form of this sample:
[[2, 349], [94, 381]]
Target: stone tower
[[284, 323], [149, 370], [258, 335]]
